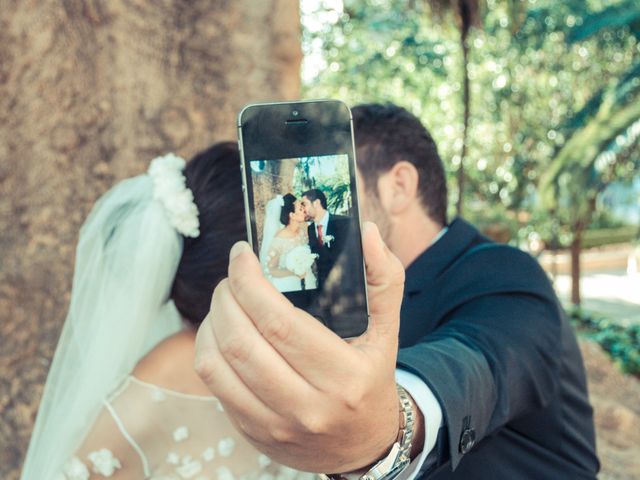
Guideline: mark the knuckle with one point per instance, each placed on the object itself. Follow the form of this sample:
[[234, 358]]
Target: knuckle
[[203, 365], [314, 423], [240, 283], [252, 433], [353, 397], [398, 275], [276, 329], [281, 434], [235, 349]]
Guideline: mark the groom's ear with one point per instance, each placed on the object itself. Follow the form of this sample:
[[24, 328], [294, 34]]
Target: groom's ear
[[400, 186]]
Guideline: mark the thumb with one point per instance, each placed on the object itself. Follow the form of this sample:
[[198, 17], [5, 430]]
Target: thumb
[[385, 285]]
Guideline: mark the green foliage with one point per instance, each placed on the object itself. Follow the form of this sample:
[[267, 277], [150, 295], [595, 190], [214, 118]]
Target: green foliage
[[609, 236], [625, 14], [622, 343], [552, 86], [576, 176], [336, 187]]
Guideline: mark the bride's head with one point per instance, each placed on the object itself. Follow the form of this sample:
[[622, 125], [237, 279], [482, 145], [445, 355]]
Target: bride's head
[[214, 178], [292, 210]]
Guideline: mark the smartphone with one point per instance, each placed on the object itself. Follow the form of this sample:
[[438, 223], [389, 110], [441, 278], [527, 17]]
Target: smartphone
[[301, 203]]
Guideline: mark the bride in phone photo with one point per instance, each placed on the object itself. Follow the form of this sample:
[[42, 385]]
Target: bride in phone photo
[[285, 254]]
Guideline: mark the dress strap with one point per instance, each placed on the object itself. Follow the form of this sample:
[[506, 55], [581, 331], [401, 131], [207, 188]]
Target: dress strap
[[129, 438]]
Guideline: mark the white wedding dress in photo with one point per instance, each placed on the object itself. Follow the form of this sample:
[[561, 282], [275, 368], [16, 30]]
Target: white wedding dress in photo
[[274, 250], [277, 255]]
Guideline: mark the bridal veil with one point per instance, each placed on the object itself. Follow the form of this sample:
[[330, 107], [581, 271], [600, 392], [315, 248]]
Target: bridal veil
[[126, 261]]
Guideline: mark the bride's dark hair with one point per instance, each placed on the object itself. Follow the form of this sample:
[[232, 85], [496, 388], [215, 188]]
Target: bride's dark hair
[[288, 207], [214, 178]]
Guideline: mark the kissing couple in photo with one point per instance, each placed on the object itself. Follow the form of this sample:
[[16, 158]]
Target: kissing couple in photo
[[301, 240]]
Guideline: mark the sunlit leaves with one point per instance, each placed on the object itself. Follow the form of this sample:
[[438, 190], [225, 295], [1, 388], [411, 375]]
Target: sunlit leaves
[[530, 88]]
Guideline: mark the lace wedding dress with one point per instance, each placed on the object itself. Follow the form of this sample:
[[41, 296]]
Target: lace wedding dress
[[148, 432], [277, 259]]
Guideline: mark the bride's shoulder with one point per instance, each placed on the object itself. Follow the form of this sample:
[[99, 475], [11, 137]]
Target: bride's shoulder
[[170, 365], [283, 233]]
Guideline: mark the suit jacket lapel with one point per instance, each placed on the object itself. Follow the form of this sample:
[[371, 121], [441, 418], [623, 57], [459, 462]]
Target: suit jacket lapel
[[418, 313]]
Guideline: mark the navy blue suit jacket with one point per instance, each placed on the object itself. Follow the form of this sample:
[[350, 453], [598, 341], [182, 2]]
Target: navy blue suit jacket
[[482, 327]]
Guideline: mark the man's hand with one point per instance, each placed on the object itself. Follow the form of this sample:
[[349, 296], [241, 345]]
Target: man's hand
[[293, 388]]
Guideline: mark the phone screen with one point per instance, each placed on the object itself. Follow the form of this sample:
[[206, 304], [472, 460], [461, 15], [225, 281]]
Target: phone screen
[[302, 208]]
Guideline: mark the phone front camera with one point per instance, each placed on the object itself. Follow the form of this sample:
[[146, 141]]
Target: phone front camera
[[295, 113]]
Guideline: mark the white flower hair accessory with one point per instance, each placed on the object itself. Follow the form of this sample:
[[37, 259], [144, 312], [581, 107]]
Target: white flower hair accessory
[[170, 188]]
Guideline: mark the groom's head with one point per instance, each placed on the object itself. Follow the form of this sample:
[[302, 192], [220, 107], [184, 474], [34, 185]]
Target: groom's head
[[314, 203], [402, 177]]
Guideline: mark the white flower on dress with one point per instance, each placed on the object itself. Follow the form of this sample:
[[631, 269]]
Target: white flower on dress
[[286, 473], [226, 446], [74, 469], [263, 460], [158, 395], [104, 462], [180, 434], [189, 468], [169, 187], [173, 458], [209, 454], [224, 474]]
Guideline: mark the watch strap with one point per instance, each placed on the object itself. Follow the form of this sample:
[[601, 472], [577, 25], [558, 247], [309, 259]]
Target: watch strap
[[399, 457]]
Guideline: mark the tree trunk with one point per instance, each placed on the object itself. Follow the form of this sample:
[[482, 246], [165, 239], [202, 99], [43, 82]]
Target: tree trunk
[[276, 179], [90, 91], [576, 249], [465, 26]]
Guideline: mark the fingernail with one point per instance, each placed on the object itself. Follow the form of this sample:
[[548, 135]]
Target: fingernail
[[238, 248]]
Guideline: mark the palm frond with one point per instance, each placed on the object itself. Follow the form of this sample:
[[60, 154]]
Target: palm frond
[[626, 13]]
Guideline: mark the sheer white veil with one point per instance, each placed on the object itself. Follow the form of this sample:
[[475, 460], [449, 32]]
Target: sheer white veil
[[272, 226], [126, 261]]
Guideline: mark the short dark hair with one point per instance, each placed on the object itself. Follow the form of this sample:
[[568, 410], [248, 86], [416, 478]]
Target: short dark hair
[[315, 194], [288, 207], [214, 178], [386, 134]]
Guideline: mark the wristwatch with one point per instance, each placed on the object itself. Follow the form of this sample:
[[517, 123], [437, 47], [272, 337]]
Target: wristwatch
[[398, 459]]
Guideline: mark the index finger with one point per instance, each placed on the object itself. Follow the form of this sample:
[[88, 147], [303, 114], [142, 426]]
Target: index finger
[[307, 345]]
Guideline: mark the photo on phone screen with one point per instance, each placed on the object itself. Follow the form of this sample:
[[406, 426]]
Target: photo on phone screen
[[301, 200], [303, 211]]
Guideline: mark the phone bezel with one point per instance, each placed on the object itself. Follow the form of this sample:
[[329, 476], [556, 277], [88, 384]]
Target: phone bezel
[[247, 184]]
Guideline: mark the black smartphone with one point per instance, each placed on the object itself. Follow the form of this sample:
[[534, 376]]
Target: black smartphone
[[301, 202]]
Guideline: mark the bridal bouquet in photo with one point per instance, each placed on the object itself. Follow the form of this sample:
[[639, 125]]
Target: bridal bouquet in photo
[[300, 259]]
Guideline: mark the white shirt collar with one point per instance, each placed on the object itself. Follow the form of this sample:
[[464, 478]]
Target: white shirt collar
[[324, 222], [439, 236]]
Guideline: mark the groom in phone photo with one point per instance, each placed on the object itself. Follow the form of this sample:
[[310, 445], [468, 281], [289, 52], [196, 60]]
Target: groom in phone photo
[[327, 231]]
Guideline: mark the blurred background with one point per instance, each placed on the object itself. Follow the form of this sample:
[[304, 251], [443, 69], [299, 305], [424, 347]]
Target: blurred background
[[535, 106]]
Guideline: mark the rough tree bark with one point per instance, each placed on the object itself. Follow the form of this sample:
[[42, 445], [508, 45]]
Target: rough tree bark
[[90, 91], [277, 178]]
